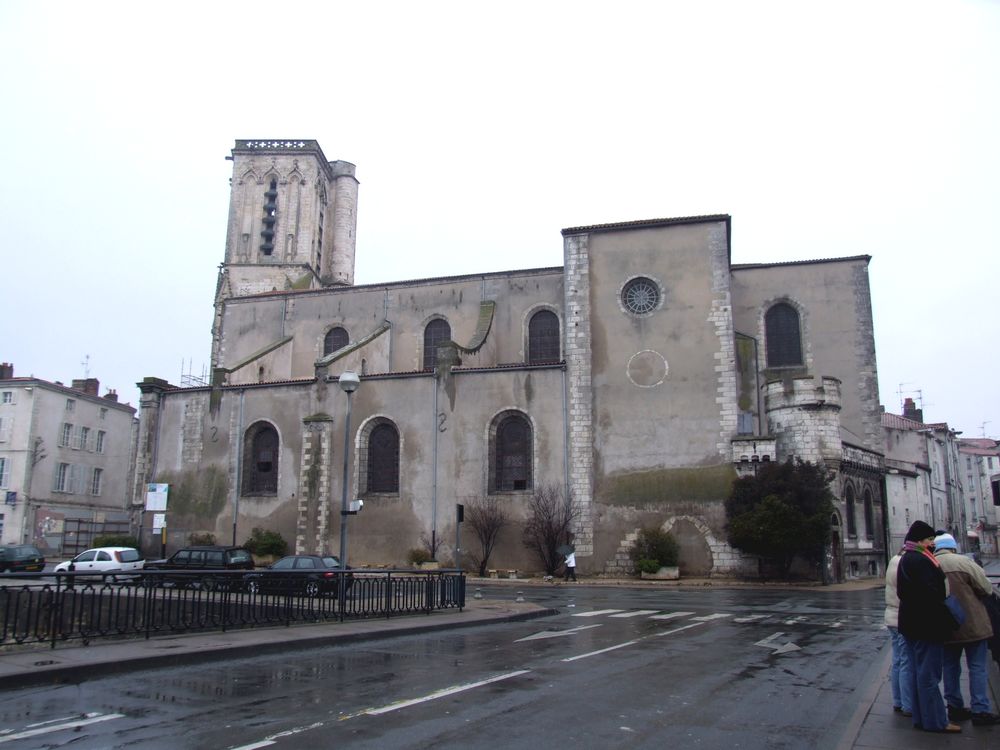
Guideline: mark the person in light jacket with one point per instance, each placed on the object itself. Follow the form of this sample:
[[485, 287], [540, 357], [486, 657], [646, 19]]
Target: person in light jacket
[[967, 582], [899, 674]]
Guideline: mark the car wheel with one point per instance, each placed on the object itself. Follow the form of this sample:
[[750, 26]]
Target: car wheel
[[312, 588]]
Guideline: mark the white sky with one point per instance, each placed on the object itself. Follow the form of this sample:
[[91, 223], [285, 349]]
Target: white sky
[[479, 130]]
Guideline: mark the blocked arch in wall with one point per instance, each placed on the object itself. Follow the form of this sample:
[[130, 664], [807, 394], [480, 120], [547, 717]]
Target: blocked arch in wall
[[698, 546], [499, 419]]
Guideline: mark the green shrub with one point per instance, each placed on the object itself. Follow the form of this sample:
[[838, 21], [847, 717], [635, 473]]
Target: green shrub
[[262, 542], [655, 549], [201, 538], [115, 540], [418, 555]]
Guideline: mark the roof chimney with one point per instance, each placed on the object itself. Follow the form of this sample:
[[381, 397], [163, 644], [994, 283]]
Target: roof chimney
[[6, 370], [111, 395], [90, 386], [910, 410]]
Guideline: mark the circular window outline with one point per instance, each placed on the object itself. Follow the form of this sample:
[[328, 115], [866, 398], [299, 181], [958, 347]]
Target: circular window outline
[[661, 381], [640, 296]]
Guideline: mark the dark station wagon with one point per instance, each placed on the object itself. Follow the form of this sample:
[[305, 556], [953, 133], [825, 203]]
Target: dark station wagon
[[190, 561], [21, 557]]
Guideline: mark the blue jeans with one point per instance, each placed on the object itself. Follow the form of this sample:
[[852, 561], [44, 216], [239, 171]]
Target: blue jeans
[[899, 674], [927, 664], [975, 658]]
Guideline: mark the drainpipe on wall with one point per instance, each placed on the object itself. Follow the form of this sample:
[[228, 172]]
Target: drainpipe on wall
[[565, 406], [434, 471]]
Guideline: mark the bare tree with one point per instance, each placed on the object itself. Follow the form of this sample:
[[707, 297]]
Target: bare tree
[[486, 516], [550, 518]]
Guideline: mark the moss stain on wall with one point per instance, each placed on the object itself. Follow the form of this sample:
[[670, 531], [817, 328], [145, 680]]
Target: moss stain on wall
[[198, 495], [664, 486]]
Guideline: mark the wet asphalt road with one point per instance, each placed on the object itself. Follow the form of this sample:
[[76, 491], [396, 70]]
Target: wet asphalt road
[[762, 668]]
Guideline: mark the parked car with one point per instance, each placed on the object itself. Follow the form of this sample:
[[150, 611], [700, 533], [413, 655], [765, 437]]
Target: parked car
[[21, 558], [305, 575], [110, 561], [189, 562]]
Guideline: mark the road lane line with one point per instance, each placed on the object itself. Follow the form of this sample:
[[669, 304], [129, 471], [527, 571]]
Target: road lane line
[[597, 612], [74, 724], [677, 630], [751, 618], [269, 740], [603, 650], [637, 613], [670, 615], [440, 694], [716, 616], [557, 633]]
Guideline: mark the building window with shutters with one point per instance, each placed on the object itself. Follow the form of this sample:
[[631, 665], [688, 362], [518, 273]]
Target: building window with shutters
[[869, 515], [95, 481], [260, 460], [437, 332], [336, 338], [510, 453], [783, 336], [543, 337]]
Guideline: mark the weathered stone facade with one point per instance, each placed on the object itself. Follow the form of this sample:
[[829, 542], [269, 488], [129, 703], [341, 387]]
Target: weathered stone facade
[[642, 418]]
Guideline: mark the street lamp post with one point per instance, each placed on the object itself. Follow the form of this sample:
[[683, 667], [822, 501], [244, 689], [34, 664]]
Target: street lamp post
[[349, 383]]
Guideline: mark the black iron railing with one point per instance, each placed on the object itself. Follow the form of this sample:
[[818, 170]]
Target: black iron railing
[[60, 607]]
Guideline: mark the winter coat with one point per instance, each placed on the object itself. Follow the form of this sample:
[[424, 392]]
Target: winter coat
[[967, 582], [922, 587], [891, 597]]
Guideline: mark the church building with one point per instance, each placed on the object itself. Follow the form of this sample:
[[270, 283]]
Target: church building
[[638, 379]]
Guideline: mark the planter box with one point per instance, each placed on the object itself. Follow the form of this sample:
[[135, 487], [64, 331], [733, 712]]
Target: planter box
[[663, 574]]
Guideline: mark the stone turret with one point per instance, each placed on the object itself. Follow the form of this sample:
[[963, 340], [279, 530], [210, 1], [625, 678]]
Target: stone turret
[[803, 413]]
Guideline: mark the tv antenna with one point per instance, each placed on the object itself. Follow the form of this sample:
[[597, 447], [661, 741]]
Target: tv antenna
[[86, 365]]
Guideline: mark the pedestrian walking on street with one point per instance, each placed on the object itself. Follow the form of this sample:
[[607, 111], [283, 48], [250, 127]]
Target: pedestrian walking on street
[[899, 675], [926, 623], [967, 582], [570, 563]]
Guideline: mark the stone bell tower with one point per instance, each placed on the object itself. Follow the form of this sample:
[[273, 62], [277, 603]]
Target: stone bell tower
[[292, 219]]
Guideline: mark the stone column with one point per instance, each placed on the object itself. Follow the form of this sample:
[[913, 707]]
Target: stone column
[[313, 523]]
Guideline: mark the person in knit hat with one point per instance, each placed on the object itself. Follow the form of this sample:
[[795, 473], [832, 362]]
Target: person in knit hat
[[966, 582], [926, 624]]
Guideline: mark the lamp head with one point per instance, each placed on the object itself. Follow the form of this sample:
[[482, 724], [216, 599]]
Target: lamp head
[[349, 382]]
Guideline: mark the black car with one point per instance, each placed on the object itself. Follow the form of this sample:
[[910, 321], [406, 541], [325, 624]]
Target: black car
[[189, 565], [21, 557], [305, 575]]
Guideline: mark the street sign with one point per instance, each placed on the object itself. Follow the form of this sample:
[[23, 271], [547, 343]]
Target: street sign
[[159, 521], [156, 496]]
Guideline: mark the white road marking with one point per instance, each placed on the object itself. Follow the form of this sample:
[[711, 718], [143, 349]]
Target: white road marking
[[603, 650], [766, 642], [751, 618], [670, 615], [769, 643], [71, 724], [677, 630], [597, 612], [442, 693], [557, 633], [269, 740], [637, 613], [716, 616]]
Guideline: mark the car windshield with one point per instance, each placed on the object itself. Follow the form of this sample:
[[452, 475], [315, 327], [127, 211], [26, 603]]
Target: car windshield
[[239, 556]]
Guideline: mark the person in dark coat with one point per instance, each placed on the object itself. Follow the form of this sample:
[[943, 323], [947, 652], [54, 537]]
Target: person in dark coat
[[926, 624]]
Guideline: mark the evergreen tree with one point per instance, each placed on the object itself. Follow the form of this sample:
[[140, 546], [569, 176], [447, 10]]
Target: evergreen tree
[[782, 512]]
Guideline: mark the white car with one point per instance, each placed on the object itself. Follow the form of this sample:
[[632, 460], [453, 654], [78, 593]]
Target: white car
[[104, 561]]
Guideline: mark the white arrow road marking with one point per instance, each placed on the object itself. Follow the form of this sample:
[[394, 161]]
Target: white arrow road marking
[[597, 612], [86, 719], [769, 643], [751, 618], [716, 616], [637, 613], [795, 620], [670, 615], [557, 633]]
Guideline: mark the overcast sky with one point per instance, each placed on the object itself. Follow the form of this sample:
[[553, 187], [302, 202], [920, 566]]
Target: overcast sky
[[479, 130]]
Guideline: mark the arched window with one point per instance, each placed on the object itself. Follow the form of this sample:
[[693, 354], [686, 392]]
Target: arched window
[[511, 454], [260, 460], [437, 332], [784, 341], [543, 337], [869, 515], [336, 338], [852, 524], [383, 458]]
